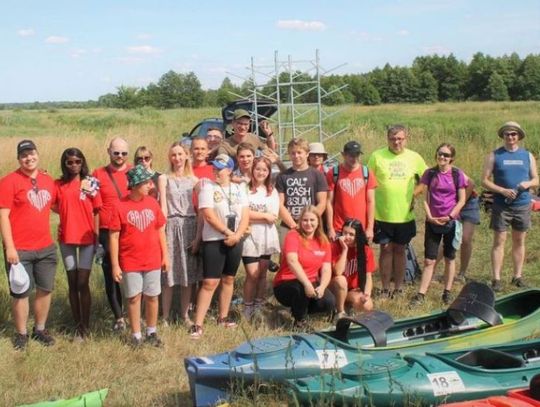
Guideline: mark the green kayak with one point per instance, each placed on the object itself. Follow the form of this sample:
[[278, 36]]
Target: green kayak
[[92, 399], [424, 379]]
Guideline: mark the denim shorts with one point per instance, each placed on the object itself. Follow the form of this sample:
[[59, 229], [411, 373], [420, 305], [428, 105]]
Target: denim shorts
[[471, 211]]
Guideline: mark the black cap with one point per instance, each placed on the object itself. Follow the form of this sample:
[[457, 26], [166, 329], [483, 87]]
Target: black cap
[[352, 148], [25, 145]]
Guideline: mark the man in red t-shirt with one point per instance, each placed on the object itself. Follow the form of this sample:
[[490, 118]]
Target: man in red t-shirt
[[113, 187], [26, 197], [350, 195]]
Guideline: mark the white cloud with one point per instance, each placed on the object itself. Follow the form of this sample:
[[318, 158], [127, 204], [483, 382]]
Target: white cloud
[[301, 25], [144, 49], [26, 32], [403, 33], [436, 49], [77, 53], [144, 36], [56, 39], [129, 60]]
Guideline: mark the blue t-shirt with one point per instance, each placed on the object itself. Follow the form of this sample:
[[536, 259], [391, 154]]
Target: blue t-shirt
[[510, 168]]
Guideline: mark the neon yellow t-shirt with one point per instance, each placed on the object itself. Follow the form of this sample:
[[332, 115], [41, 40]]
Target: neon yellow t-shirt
[[395, 174]]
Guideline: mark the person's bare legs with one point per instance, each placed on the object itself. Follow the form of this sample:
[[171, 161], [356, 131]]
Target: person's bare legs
[[42, 304], [466, 247], [134, 313], [166, 301], [185, 300], [497, 254], [518, 252], [449, 273], [204, 298], [151, 305], [427, 274], [386, 265], [20, 308], [338, 286], [399, 258], [225, 296]]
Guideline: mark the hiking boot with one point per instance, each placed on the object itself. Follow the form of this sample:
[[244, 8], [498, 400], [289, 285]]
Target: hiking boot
[[119, 326], [496, 285], [460, 278], [447, 297], [195, 332], [226, 322], [43, 337], [518, 282], [417, 299], [20, 341], [154, 340], [136, 343]]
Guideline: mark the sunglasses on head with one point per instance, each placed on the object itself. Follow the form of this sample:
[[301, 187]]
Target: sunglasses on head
[[34, 184], [445, 155], [77, 161], [120, 153], [145, 158]]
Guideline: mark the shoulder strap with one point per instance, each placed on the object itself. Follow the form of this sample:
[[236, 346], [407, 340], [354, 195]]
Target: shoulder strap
[[431, 173], [455, 178], [113, 182]]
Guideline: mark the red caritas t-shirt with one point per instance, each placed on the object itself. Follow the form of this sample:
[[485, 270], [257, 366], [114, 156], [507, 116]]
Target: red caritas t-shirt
[[349, 194], [311, 255], [138, 223], [204, 171], [76, 210], [351, 268], [30, 207], [108, 193]]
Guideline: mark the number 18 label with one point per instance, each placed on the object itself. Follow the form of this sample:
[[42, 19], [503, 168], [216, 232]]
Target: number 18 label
[[445, 383]]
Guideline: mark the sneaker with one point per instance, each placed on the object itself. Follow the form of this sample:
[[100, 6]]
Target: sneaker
[[417, 299], [136, 343], [496, 285], [20, 341], [518, 282], [119, 326], [195, 332], [447, 297], [460, 278], [226, 322], [43, 337], [154, 340]]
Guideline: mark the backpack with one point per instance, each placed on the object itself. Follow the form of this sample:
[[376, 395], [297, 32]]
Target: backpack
[[335, 174], [412, 267]]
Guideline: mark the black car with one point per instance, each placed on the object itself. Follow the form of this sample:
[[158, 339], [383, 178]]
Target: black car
[[265, 109]]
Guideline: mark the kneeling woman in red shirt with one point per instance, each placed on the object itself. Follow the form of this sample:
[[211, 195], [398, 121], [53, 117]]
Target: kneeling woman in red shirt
[[139, 252], [353, 265], [302, 280]]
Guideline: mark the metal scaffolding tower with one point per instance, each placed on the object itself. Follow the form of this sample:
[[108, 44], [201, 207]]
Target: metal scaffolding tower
[[294, 88]]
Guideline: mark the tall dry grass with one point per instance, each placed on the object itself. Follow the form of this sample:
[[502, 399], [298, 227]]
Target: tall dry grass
[[156, 377]]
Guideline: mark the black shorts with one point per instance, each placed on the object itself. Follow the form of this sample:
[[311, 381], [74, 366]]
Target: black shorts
[[220, 259], [252, 259], [399, 233], [432, 241]]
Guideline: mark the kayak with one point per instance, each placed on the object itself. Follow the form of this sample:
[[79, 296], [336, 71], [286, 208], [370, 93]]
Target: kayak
[[92, 399], [429, 378], [473, 319], [514, 398]]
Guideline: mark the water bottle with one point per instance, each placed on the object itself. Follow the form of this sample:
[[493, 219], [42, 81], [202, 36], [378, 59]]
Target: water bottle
[[517, 190]]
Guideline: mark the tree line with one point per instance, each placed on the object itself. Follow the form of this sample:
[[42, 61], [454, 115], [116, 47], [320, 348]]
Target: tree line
[[431, 78]]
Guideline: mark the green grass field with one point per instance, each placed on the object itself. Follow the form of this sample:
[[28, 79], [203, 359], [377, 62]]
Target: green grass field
[[157, 377]]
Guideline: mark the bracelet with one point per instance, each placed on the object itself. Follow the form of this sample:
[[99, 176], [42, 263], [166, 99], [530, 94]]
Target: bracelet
[[451, 217]]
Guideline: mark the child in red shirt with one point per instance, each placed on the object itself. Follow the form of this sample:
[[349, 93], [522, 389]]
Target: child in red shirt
[[353, 264], [139, 253]]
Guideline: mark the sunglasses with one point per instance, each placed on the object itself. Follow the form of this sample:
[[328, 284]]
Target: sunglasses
[[145, 158], [511, 134], [445, 155], [120, 153], [34, 184], [69, 163]]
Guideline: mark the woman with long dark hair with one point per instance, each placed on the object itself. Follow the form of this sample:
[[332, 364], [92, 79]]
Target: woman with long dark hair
[[78, 204], [353, 265], [305, 271]]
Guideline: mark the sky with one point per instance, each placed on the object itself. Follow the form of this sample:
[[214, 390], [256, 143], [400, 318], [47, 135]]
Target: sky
[[79, 50]]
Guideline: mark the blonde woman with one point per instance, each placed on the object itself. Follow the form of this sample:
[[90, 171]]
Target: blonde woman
[[143, 156], [183, 237]]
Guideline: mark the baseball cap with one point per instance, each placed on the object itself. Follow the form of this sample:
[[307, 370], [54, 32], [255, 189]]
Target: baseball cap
[[223, 161], [511, 126], [25, 145], [239, 113], [352, 148], [19, 282]]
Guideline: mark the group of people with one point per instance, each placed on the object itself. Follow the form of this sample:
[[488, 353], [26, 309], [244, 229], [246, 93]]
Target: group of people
[[220, 203]]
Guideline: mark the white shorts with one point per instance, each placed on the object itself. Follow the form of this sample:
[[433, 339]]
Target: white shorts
[[146, 282]]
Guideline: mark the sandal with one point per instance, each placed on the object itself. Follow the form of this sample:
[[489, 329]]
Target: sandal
[[195, 332]]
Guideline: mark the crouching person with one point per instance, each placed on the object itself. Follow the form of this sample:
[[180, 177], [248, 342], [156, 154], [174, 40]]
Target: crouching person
[[302, 280], [353, 264], [139, 253]]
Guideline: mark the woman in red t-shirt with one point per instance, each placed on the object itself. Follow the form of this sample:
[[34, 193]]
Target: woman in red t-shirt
[[302, 280], [78, 205], [351, 284]]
